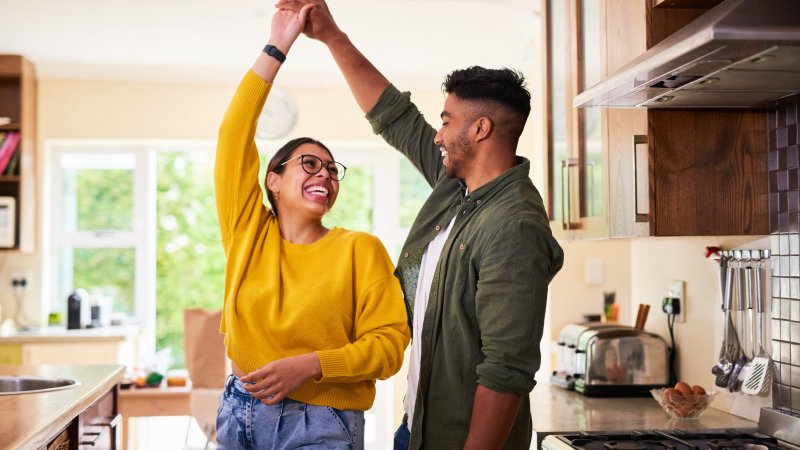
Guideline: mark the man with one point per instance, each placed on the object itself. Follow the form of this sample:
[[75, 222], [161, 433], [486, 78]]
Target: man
[[478, 258]]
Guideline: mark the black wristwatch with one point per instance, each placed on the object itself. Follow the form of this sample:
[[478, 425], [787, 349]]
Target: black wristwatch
[[273, 51]]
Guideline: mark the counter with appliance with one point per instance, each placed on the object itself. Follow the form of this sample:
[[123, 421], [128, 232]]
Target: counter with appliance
[[33, 420], [556, 410], [58, 345]]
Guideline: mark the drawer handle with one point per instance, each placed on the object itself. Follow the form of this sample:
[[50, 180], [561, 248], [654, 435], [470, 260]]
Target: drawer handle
[[91, 437]]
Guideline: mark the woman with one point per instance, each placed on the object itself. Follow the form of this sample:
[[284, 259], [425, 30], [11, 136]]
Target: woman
[[312, 316]]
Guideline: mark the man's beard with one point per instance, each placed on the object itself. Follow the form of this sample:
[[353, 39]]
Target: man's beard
[[463, 148]]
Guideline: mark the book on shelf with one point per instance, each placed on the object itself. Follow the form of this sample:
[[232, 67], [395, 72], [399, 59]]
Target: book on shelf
[[8, 149], [13, 164]]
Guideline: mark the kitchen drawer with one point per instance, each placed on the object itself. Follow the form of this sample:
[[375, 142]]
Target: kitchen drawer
[[98, 426]]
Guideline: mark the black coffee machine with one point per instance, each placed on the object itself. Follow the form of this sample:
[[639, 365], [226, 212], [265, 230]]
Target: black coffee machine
[[76, 311]]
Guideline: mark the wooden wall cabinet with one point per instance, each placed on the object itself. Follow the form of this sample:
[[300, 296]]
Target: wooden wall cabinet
[[18, 104], [666, 172], [673, 172]]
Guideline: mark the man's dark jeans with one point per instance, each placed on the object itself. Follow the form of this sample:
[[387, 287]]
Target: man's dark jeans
[[402, 435]]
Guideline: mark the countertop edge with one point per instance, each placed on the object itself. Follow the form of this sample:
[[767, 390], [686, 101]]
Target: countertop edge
[[43, 436]]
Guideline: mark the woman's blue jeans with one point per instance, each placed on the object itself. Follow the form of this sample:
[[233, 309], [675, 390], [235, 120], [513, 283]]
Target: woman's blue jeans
[[243, 422]]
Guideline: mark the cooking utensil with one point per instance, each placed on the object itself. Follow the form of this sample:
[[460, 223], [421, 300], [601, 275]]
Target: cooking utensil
[[750, 325], [641, 316], [760, 374], [730, 342], [739, 359]]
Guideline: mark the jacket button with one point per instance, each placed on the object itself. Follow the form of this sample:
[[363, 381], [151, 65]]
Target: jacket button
[[405, 255], [438, 227], [461, 247], [478, 202]]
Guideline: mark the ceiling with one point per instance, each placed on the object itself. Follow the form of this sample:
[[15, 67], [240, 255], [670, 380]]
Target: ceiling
[[419, 41]]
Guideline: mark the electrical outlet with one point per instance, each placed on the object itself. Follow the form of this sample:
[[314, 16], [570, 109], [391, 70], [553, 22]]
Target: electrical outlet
[[19, 278], [676, 290]]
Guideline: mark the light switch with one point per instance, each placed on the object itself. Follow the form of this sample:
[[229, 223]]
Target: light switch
[[593, 272]]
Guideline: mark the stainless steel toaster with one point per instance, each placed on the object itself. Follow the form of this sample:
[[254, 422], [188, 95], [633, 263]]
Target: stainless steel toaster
[[611, 360]]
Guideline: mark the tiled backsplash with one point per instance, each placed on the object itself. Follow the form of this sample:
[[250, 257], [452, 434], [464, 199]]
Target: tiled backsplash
[[784, 211]]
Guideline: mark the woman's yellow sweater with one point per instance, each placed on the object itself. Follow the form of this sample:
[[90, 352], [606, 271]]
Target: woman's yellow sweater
[[337, 297]]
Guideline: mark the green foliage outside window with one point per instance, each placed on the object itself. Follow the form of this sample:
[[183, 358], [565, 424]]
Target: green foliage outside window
[[190, 263]]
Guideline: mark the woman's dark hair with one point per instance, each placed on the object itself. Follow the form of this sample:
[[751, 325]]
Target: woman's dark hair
[[281, 156]]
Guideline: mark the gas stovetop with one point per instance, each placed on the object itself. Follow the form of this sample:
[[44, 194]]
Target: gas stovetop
[[746, 439]]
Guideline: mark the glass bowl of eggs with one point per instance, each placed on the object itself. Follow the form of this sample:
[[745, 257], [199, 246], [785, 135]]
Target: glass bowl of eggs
[[683, 401]]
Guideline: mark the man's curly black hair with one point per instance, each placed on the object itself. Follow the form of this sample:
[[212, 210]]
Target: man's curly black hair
[[504, 86]]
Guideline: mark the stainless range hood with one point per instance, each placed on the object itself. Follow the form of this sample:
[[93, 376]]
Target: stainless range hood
[[740, 54]]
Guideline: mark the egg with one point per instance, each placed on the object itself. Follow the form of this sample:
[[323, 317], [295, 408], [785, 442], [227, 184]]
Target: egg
[[668, 393], [698, 390], [684, 388]]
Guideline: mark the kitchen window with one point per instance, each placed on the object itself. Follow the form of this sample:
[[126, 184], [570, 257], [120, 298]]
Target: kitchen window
[[135, 223]]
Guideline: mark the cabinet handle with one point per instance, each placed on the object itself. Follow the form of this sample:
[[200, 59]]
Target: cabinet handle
[[566, 216], [90, 438], [639, 217]]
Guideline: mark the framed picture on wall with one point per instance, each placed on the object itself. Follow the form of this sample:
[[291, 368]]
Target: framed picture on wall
[[8, 210]]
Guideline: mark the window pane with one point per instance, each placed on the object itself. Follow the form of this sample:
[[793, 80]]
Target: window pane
[[103, 272], [190, 265], [414, 190], [97, 192], [353, 207]]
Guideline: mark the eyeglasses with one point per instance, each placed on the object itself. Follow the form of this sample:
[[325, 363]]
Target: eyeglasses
[[312, 164]]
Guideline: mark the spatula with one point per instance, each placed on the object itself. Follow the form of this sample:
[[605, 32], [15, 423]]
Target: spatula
[[760, 373]]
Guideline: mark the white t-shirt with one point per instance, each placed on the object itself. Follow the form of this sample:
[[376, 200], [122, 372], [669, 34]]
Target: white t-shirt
[[427, 268]]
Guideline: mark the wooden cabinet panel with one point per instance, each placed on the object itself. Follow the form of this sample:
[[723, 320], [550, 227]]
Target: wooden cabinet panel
[[709, 173]]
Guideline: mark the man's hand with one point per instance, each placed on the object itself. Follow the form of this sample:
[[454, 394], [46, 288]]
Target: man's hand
[[320, 24], [273, 382]]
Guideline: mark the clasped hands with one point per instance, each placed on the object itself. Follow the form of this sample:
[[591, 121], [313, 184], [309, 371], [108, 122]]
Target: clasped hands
[[274, 381]]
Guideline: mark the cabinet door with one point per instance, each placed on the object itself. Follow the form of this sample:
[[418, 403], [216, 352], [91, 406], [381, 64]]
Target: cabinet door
[[576, 167], [626, 129], [10, 354], [591, 156], [561, 162]]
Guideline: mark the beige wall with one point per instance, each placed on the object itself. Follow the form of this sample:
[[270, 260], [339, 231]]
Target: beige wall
[[639, 270]]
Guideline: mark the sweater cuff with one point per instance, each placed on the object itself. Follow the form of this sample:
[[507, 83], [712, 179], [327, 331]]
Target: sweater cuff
[[253, 92], [390, 106], [332, 364]]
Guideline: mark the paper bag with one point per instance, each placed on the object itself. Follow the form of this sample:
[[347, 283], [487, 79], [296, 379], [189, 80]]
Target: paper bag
[[204, 347]]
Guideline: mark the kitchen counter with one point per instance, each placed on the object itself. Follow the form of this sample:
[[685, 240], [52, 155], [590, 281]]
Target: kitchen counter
[[61, 334], [31, 420], [556, 410]]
